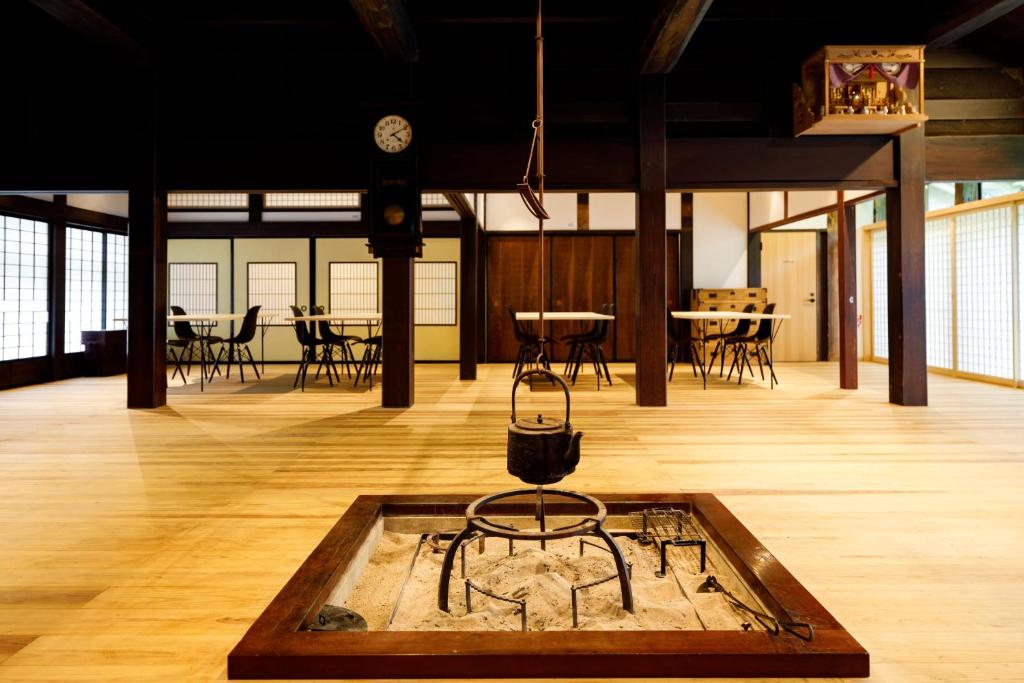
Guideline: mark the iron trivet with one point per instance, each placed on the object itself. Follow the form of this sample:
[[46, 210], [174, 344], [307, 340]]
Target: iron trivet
[[479, 526]]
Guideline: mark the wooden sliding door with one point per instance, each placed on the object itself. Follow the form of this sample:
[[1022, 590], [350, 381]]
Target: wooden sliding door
[[789, 270]]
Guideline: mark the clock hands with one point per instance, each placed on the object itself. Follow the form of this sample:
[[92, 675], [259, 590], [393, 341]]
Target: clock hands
[[401, 130]]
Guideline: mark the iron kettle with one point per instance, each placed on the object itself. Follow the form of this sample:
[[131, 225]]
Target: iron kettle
[[542, 450]]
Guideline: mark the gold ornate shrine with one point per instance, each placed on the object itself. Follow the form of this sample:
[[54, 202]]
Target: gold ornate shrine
[[860, 90]]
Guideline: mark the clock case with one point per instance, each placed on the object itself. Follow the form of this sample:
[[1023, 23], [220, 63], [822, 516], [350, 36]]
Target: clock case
[[394, 182]]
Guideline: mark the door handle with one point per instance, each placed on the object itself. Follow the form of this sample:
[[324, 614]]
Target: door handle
[[810, 301]]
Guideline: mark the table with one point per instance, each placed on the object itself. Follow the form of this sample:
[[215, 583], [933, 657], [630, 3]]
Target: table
[[206, 321], [704, 316], [558, 316]]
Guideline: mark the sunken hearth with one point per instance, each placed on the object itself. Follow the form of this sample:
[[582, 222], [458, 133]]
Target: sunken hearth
[[705, 598]]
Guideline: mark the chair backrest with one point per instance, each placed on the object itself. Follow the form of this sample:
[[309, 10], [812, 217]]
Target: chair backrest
[[183, 328], [764, 328], [521, 336], [248, 329], [301, 331], [743, 326], [603, 326]]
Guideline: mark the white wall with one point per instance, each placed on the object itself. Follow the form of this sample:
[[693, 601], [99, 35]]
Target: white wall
[[719, 239], [612, 211], [505, 211], [767, 207], [114, 204]]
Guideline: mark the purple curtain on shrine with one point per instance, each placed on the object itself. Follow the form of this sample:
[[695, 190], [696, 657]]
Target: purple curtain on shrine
[[907, 77]]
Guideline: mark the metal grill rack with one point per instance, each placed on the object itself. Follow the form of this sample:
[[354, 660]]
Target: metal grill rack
[[668, 527]]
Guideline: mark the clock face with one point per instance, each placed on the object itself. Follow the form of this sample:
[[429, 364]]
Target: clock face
[[392, 133]]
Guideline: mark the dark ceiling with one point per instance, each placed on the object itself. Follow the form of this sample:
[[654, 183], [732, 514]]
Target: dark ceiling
[[305, 70]]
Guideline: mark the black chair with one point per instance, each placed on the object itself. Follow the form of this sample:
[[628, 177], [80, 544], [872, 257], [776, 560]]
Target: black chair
[[593, 346], [759, 340], [340, 342], [742, 329], [574, 340], [187, 340], [529, 347], [310, 344], [368, 365], [679, 339], [239, 344]]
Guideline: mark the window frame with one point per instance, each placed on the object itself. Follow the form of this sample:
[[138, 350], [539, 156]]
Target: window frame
[[376, 281], [455, 292], [264, 309], [216, 282]]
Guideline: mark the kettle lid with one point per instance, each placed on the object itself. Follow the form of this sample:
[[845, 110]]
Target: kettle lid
[[540, 424]]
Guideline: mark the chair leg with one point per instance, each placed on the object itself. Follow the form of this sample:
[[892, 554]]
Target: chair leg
[[735, 356], [298, 374], [768, 362], [604, 364], [252, 361], [760, 366]]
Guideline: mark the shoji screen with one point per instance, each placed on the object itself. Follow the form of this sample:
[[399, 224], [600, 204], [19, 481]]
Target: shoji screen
[[879, 295]]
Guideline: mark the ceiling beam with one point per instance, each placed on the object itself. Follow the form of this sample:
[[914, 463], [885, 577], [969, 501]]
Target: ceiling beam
[[670, 32], [461, 204], [82, 18], [968, 18], [389, 25]]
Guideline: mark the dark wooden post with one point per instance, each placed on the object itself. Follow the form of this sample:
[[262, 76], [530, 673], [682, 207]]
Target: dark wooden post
[[58, 277], [651, 247], [846, 225], [908, 369], [468, 302], [685, 265], [754, 259], [147, 263], [399, 340]]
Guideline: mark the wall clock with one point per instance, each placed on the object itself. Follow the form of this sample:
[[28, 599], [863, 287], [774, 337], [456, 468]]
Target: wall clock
[[393, 134]]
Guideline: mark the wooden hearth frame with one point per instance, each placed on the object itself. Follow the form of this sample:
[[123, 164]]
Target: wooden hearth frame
[[278, 647]]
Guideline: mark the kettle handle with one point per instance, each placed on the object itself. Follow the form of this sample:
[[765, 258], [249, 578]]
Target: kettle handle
[[547, 373]]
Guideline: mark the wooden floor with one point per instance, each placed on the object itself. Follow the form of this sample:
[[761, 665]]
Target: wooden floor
[[140, 545]]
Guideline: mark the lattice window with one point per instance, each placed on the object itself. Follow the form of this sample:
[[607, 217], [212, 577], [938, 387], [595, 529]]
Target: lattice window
[[938, 272], [433, 199], [353, 288], [24, 291], [1020, 292], [435, 286], [311, 200], [879, 295], [207, 200], [272, 286], [984, 291], [83, 286], [117, 279], [193, 287]]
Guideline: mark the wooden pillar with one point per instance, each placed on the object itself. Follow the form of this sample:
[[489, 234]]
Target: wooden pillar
[[846, 220], [651, 239], [685, 265], [468, 302], [399, 342], [58, 284], [905, 208], [754, 259], [147, 263]]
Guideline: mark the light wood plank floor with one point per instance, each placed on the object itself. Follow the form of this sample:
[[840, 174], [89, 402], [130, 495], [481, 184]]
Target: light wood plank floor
[[140, 545]]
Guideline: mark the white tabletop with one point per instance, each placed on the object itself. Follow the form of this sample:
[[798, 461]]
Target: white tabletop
[[563, 315], [727, 315], [332, 317], [212, 317]]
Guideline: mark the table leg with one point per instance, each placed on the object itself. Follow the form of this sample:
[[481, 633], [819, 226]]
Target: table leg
[[263, 357], [703, 335]]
